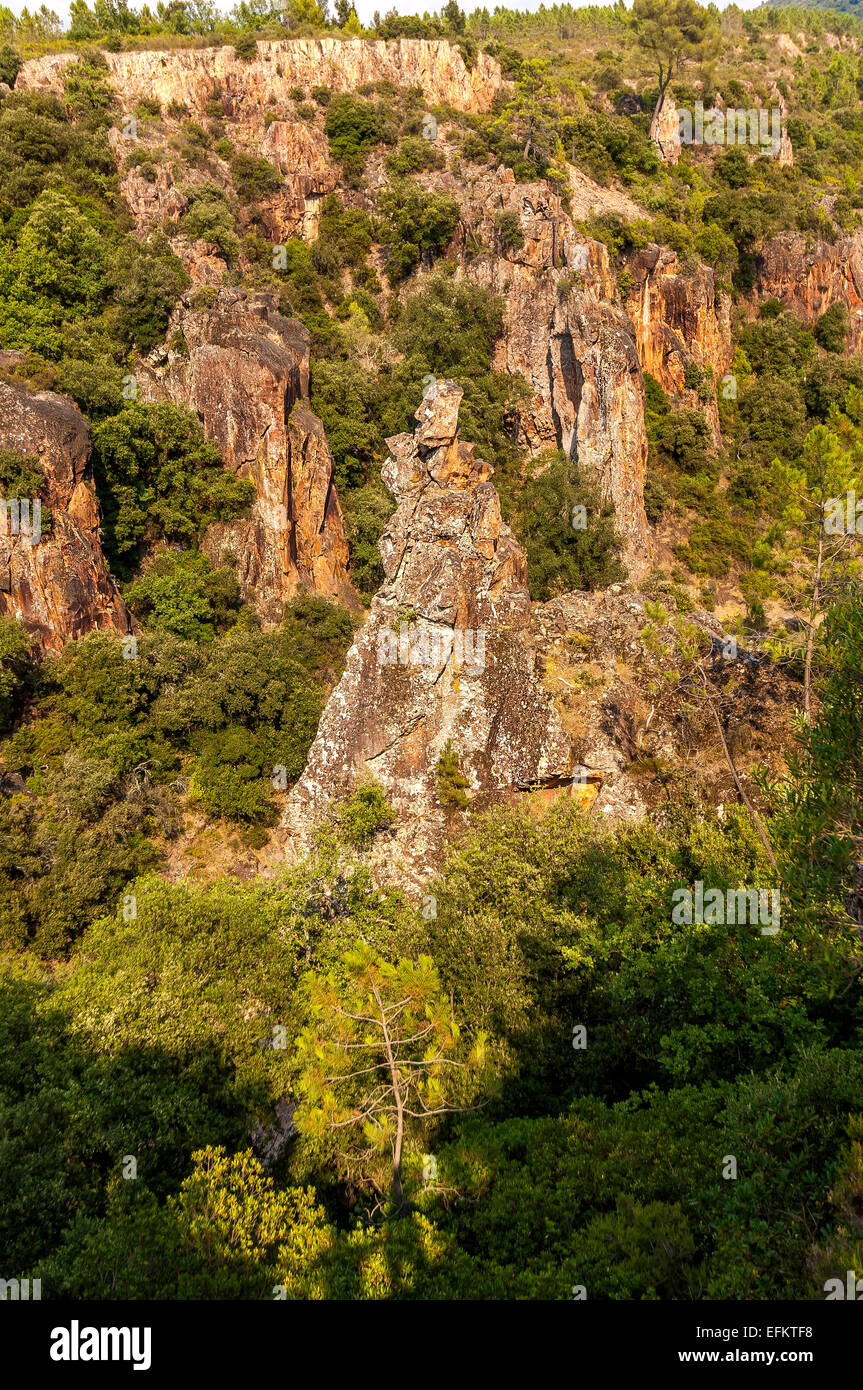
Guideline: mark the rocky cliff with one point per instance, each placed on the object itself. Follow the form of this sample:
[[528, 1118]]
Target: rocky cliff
[[569, 336], [680, 321], [446, 654], [189, 75], [244, 370], [56, 582], [808, 276]]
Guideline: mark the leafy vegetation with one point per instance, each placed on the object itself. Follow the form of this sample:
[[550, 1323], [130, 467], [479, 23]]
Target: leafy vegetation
[[525, 1077]]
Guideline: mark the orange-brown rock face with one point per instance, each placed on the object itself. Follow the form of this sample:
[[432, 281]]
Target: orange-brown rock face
[[55, 581], [188, 75], [665, 131], [678, 323], [570, 340], [446, 653], [302, 156], [808, 278], [297, 150], [244, 370]]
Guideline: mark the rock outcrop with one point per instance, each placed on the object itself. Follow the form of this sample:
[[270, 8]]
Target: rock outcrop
[[309, 174], [299, 151], [244, 370], [189, 75], [680, 321], [446, 654], [636, 713], [665, 131], [573, 342], [810, 276], [53, 575]]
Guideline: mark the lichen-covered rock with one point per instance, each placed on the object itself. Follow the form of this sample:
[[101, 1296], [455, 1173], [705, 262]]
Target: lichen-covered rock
[[243, 368], [636, 712], [54, 578], [446, 654]]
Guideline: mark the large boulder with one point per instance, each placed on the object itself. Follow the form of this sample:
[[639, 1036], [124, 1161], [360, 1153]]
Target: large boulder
[[53, 575]]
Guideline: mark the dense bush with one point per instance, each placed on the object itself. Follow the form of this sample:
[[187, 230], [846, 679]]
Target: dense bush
[[567, 531], [158, 477], [418, 224]]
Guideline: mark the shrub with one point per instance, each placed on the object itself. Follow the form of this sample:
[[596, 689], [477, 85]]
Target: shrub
[[364, 814], [158, 477], [254, 178], [210, 218], [450, 781], [352, 126], [11, 63], [417, 224], [245, 47], [147, 279], [831, 330], [179, 592], [508, 228], [562, 553], [412, 155]]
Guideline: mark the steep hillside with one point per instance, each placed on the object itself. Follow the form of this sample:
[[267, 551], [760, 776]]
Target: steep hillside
[[430, 633]]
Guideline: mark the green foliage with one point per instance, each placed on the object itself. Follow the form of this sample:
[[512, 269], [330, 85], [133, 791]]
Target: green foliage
[[87, 89], [508, 228], [412, 156], [10, 64], [831, 330], [567, 531], [364, 814], [209, 217], [418, 224], [352, 126], [161, 1033], [178, 592], [146, 281], [245, 47], [157, 477], [380, 1060], [254, 178], [228, 1233], [450, 781], [64, 862], [818, 822], [54, 272], [14, 651]]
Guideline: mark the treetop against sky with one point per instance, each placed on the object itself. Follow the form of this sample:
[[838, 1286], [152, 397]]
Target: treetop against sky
[[366, 8]]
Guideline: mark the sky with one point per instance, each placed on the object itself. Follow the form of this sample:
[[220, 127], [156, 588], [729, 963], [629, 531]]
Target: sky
[[365, 8]]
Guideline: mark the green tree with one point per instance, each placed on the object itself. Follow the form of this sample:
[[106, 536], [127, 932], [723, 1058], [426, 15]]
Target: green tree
[[364, 814], [14, 650], [672, 32], [382, 1059], [158, 476], [450, 781], [811, 496], [417, 224]]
